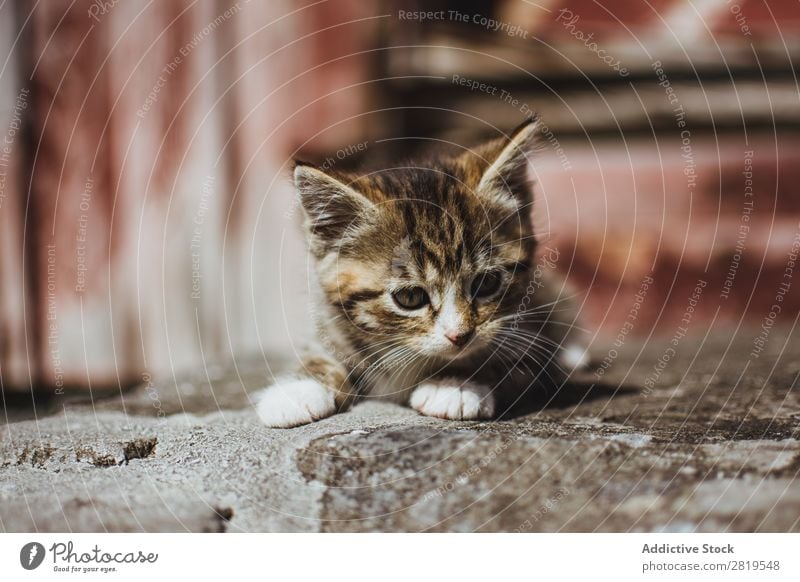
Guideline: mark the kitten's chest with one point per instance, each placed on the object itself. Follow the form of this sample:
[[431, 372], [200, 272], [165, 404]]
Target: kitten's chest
[[393, 383]]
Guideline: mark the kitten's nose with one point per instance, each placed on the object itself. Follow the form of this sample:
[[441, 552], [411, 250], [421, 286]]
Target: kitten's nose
[[459, 337]]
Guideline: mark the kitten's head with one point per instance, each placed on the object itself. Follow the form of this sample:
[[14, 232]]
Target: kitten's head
[[426, 260]]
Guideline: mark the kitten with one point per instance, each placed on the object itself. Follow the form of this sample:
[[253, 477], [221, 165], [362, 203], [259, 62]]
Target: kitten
[[426, 292]]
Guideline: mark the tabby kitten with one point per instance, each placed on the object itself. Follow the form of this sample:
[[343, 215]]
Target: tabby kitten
[[425, 290]]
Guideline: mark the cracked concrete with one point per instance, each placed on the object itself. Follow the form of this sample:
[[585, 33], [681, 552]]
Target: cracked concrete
[[714, 446]]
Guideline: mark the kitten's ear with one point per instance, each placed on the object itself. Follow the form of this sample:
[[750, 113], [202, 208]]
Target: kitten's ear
[[331, 205], [505, 180]]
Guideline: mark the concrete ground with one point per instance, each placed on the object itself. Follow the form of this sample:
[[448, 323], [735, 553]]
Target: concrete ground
[[708, 443]]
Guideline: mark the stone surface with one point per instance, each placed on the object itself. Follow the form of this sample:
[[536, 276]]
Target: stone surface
[[708, 443]]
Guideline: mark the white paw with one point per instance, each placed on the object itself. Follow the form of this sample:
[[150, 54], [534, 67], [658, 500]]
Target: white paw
[[453, 399], [574, 357], [294, 401]]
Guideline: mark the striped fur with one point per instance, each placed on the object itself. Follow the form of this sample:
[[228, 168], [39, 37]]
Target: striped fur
[[437, 225]]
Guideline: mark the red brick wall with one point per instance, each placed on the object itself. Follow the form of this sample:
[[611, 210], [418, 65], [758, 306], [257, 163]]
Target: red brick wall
[[150, 188]]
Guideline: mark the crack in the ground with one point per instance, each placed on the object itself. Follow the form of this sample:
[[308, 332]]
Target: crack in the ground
[[139, 448], [222, 517], [39, 455]]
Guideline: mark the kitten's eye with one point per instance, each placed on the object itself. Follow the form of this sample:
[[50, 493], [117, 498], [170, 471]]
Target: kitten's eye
[[411, 297], [486, 284]]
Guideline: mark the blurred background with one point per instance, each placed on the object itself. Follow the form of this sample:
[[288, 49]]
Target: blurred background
[[147, 221]]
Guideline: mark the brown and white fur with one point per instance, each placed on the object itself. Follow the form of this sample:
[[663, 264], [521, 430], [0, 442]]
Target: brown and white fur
[[424, 290]]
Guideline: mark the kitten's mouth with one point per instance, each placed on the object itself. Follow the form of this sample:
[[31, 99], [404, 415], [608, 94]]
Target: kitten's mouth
[[438, 350], [452, 353]]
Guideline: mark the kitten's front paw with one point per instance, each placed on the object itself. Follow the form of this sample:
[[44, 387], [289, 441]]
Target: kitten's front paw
[[294, 401], [453, 399]]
